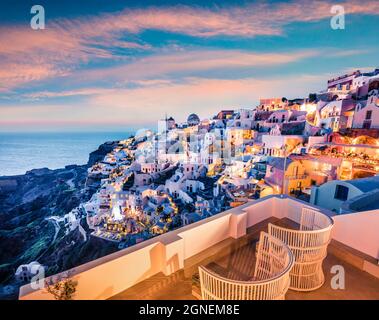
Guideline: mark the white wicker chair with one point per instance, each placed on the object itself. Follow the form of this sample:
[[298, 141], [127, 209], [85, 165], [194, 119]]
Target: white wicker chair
[[309, 246], [271, 275]]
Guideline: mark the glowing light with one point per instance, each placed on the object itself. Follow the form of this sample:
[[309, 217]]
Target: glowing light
[[116, 213], [308, 107]]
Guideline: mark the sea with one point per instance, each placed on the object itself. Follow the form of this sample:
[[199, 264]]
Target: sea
[[21, 152]]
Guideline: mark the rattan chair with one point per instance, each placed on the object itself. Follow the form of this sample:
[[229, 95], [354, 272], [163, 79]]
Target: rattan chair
[[271, 275], [309, 246]]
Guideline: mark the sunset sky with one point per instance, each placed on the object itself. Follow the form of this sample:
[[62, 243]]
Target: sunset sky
[[110, 65]]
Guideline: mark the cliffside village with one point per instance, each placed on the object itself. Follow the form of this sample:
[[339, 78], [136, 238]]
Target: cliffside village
[[322, 149]]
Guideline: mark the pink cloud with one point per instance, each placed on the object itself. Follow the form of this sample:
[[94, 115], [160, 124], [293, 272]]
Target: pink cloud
[[68, 93], [64, 44], [202, 96], [163, 70], [27, 55], [148, 104], [178, 63], [260, 18], [13, 74]]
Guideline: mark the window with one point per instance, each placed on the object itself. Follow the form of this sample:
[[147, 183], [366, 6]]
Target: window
[[368, 115], [366, 124], [341, 193]]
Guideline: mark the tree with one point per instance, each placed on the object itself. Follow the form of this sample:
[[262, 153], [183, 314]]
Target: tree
[[312, 97], [63, 288], [159, 210]]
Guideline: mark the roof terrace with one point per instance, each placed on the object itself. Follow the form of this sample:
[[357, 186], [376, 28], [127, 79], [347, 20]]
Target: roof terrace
[[167, 266], [235, 258]]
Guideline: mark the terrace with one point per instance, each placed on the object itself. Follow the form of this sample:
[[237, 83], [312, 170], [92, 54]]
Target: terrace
[[165, 267], [235, 258]]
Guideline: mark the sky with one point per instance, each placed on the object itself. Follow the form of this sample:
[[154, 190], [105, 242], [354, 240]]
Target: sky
[[111, 65]]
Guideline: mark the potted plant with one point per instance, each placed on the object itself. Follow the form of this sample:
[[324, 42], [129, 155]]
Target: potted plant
[[62, 288]]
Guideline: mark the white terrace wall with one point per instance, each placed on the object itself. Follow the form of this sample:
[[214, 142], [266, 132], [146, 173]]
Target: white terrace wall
[[205, 235], [358, 230], [112, 274], [109, 275]]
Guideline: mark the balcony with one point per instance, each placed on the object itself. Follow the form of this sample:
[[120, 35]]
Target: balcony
[[166, 267], [234, 259]]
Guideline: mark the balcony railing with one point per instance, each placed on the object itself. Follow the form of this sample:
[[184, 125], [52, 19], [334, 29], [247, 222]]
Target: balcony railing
[[271, 276], [309, 246]]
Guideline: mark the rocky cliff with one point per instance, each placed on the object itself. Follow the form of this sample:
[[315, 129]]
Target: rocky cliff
[[26, 233], [99, 154]]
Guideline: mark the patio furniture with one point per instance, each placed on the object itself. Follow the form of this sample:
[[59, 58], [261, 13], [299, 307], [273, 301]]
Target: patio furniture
[[271, 275], [309, 246]]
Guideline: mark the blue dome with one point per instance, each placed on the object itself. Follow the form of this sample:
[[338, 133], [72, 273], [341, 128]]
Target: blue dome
[[193, 119]]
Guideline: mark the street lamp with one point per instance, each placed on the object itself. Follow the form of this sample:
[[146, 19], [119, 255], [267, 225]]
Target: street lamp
[[287, 152], [284, 149]]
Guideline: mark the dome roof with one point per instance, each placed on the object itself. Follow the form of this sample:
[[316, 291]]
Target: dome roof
[[193, 119]]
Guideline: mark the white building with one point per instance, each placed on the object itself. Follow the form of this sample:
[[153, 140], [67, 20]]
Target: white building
[[333, 194], [367, 112], [193, 186], [273, 144], [336, 115], [142, 179], [153, 167], [243, 119], [26, 272]]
